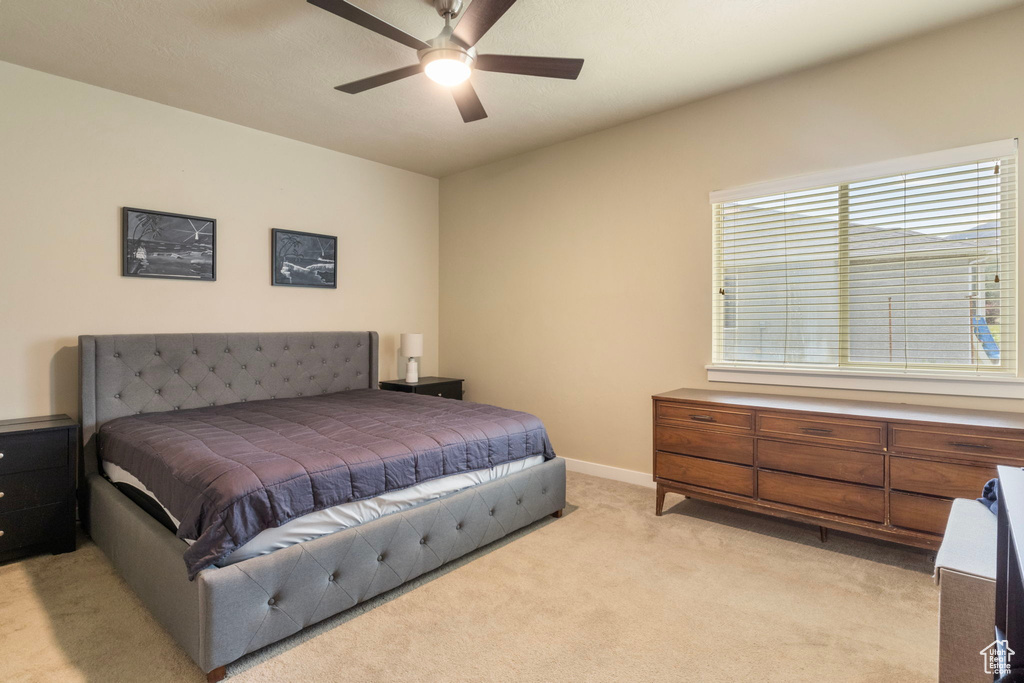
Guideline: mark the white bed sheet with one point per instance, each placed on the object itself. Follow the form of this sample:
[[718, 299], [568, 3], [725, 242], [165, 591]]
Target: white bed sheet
[[346, 515]]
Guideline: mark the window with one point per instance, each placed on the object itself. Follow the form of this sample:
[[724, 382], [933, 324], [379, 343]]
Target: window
[[906, 267]]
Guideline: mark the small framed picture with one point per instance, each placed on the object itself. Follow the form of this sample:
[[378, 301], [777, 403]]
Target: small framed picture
[[168, 245], [303, 259]]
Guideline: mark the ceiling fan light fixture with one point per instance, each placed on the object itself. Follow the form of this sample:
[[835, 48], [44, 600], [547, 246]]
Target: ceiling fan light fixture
[[448, 72], [447, 67]]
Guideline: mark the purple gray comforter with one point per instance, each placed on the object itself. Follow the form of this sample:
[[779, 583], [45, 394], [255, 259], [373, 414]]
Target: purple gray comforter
[[229, 472]]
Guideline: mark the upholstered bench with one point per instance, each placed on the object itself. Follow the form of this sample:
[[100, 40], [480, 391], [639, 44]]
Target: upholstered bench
[[965, 569]]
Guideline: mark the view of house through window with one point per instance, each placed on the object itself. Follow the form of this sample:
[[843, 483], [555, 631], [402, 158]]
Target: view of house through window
[[913, 273]]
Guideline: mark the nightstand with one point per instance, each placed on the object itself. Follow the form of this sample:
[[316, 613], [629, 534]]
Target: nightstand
[[37, 485], [445, 387]]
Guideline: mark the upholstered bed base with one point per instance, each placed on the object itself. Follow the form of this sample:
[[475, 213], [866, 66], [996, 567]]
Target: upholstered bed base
[[230, 611]]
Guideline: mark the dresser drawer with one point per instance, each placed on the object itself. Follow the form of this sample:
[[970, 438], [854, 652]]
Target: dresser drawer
[[945, 479], [33, 526], [919, 513], [32, 489], [726, 418], [850, 500], [33, 451], [833, 431], [821, 461], [707, 473], [704, 444], [957, 441], [444, 390]]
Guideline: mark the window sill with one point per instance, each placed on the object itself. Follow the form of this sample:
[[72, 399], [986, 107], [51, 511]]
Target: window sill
[[987, 387]]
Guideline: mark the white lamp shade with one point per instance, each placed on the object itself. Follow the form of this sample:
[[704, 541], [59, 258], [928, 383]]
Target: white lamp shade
[[412, 345]]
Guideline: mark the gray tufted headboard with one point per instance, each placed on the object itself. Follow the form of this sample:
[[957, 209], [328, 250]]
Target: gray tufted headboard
[[145, 373]]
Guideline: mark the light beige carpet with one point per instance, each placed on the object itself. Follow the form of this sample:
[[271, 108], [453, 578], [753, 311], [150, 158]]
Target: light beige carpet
[[608, 593]]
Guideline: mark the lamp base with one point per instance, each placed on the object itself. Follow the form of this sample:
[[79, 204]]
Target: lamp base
[[412, 371]]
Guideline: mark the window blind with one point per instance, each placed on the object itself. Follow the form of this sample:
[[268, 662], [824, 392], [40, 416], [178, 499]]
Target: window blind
[[906, 266]]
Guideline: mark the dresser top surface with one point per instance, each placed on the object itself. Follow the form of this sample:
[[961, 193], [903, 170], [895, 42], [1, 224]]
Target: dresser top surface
[[869, 409], [31, 424]]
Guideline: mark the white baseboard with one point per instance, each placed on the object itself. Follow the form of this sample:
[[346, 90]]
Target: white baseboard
[[609, 472]]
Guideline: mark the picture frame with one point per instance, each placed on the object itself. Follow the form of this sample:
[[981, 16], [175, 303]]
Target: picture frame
[[171, 246], [303, 259]]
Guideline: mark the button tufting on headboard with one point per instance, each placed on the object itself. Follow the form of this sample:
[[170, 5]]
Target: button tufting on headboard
[[134, 374]]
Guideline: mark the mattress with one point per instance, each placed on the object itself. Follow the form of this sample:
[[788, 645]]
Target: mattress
[[344, 516], [225, 474]]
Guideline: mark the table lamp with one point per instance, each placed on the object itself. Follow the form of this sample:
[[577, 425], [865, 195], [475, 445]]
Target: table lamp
[[412, 348]]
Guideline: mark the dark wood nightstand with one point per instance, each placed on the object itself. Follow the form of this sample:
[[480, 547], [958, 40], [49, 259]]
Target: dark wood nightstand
[[37, 485], [445, 387]]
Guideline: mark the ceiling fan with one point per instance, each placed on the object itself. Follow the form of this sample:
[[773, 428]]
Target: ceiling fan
[[450, 58]]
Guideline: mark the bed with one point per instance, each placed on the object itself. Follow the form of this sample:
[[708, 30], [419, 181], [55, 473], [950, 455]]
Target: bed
[[249, 485]]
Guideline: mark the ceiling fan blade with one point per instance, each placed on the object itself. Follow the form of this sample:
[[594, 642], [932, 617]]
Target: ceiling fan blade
[[478, 18], [468, 102], [380, 79], [347, 10], [548, 67]]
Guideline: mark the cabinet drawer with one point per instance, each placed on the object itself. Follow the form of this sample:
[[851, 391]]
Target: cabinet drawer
[[446, 390], [819, 494], [833, 431], [821, 461], [714, 445], [944, 479], [727, 418], [707, 473], [959, 441], [919, 512], [29, 451], [31, 526], [32, 489]]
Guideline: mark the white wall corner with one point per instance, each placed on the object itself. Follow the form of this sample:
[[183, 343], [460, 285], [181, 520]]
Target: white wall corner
[[609, 472]]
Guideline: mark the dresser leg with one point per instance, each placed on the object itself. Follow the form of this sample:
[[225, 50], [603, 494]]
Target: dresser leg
[[823, 532], [660, 504]]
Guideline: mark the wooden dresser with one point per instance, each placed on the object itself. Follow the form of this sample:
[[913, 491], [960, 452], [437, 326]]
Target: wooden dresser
[[879, 469], [38, 460]]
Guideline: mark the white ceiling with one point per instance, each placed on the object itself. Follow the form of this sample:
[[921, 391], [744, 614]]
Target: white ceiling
[[273, 64]]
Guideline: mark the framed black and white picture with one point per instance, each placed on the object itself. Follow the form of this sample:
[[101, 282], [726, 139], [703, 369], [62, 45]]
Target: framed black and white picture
[[303, 259], [168, 245]]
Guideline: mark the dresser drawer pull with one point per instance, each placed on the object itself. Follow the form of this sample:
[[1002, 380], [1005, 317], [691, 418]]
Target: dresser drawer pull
[[816, 430], [962, 444], [1, 494], [702, 418], [1, 532]]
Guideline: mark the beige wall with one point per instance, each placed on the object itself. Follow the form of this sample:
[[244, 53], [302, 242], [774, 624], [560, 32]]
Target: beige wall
[[73, 155], [576, 280]]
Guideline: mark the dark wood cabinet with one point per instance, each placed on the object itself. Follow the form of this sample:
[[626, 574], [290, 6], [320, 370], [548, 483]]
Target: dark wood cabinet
[[883, 470], [37, 485], [445, 387]]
